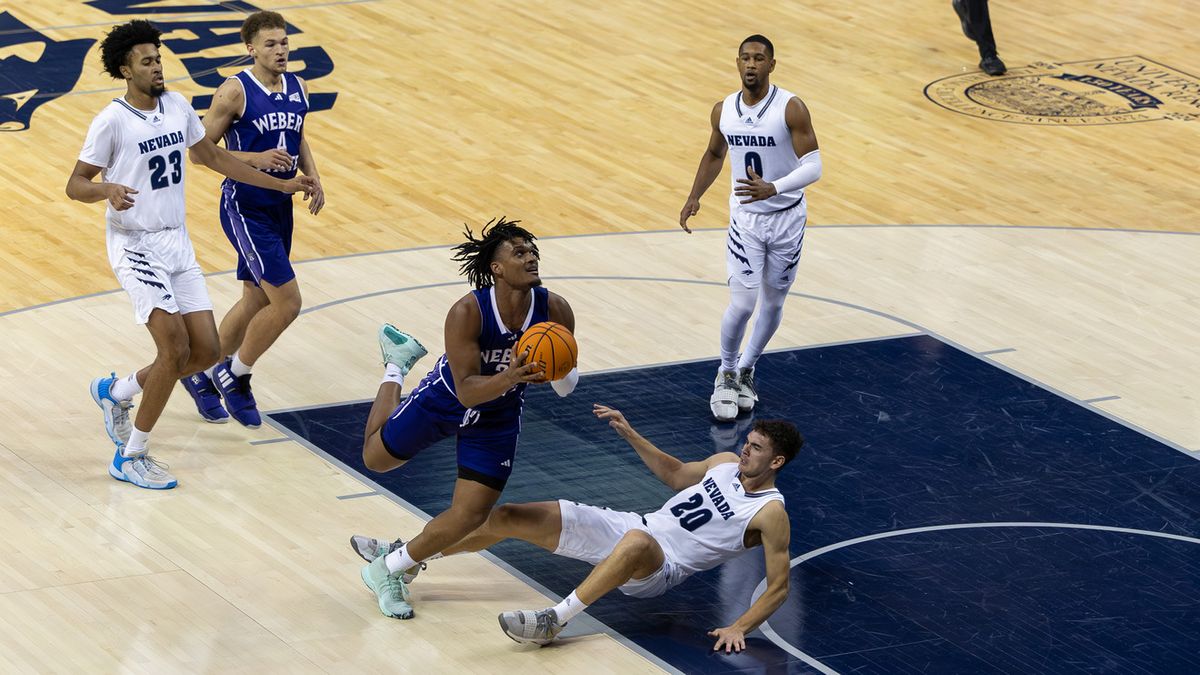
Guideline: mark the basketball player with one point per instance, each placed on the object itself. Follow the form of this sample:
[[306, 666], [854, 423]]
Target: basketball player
[[474, 392], [773, 157], [260, 113], [136, 144], [726, 505]]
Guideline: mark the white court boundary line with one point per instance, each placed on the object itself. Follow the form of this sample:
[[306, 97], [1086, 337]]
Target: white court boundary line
[[786, 646]]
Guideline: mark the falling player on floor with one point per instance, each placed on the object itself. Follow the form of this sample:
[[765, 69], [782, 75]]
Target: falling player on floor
[[726, 505]]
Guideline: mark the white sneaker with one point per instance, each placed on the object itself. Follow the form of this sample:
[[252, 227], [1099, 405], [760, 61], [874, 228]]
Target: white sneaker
[[143, 471], [747, 395], [724, 400]]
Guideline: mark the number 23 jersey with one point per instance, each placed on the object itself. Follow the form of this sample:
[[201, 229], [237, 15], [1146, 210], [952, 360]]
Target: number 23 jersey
[[147, 151], [705, 525]]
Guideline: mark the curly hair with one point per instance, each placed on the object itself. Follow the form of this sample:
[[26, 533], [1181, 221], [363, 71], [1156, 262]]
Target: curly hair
[[117, 45], [476, 254], [784, 436]]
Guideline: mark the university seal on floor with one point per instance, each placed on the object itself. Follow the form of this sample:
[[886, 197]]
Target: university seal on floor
[[1117, 90]]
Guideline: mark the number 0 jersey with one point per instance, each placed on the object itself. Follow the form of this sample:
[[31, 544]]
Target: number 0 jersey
[[147, 151], [705, 525], [269, 120], [758, 136]]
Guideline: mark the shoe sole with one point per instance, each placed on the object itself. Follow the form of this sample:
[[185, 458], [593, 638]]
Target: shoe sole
[[363, 575], [112, 471], [219, 420], [359, 552], [94, 389]]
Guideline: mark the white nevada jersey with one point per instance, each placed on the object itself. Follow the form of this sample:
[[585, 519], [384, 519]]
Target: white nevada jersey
[[147, 151], [705, 525], [758, 136]]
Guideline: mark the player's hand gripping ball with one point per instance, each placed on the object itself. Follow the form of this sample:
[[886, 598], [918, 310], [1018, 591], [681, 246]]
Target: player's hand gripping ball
[[551, 346]]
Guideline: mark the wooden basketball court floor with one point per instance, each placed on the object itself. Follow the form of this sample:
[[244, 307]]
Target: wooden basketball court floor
[[1065, 252]]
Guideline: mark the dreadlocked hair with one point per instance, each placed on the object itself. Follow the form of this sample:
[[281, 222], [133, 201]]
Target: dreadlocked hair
[[476, 254], [114, 51]]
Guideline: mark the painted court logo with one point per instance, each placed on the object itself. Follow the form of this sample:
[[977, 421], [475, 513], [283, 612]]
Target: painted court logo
[[1117, 90], [34, 70]]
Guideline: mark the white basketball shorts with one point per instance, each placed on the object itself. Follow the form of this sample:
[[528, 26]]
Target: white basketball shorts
[[590, 533], [764, 247], [158, 270]]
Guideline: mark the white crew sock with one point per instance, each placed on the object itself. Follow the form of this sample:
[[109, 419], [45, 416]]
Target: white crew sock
[[568, 608], [399, 560], [125, 388], [137, 443], [393, 374], [237, 367]]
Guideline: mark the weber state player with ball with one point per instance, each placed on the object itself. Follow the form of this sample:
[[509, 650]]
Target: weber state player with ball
[[773, 155], [474, 392], [260, 112]]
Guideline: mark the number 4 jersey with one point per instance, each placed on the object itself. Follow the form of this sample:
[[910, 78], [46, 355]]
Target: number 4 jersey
[[705, 525], [270, 120], [145, 150], [758, 136]]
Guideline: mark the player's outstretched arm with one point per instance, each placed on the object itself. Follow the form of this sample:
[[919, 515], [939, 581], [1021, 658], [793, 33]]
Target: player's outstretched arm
[[462, 351], [773, 527], [709, 169], [675, 473], [218, 159], [227, 104]]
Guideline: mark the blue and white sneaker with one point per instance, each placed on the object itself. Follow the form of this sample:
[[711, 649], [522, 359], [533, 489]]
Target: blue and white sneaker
[[400, 348], [142, 470], [239, 400], [207, 398], [116, 413]]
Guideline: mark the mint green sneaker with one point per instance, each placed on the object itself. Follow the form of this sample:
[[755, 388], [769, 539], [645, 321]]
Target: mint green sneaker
[[400, 348], [388, 588]]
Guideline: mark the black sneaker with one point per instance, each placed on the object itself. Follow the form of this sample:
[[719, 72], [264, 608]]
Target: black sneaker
[[992, 65]]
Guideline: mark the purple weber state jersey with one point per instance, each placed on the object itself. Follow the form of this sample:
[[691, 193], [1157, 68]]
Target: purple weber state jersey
[[269, 120], [496, 345]]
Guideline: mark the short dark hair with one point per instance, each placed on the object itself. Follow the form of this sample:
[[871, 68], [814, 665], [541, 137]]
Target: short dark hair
[[258, 21], [117, 45], [476, 254], [762, 40], [784, 436]]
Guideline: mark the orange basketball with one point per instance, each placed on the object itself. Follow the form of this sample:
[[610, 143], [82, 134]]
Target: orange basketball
[[551, 345]]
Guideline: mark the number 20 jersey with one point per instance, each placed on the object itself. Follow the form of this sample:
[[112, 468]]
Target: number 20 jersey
[[758, 136], [705, 525]]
